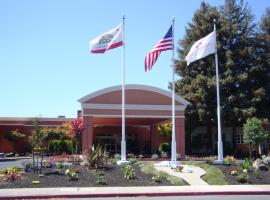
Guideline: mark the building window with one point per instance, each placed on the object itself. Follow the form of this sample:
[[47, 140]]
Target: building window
[[239, 139]]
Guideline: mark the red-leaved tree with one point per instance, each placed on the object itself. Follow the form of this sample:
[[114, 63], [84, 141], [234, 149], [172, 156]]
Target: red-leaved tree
[[77, 130]]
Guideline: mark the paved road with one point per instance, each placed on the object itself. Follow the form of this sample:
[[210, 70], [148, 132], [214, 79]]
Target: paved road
[[223, 197], [11, 163]]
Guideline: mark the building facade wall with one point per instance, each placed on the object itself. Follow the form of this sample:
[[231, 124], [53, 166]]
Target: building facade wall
[[25, 126]]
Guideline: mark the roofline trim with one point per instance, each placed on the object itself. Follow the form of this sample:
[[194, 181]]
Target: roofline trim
[[133, 86]]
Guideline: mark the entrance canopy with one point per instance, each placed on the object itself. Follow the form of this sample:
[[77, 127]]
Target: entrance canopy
[[145, 106], [141, 102]]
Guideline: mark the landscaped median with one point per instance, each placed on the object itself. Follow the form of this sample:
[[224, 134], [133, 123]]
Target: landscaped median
[[97, 169]]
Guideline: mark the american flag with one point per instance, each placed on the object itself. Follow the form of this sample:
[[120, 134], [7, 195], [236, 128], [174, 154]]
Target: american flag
[[166, 43]]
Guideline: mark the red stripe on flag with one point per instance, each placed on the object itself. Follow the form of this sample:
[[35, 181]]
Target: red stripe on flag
[[112, 46]]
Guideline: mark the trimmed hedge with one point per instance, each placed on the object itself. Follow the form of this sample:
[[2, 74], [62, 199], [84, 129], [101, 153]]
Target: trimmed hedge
[[60, 146]]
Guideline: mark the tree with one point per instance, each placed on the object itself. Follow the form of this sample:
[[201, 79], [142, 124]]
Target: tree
[[78, 127], [37, 141], [14, 136], [263, 51], [242, 79], [198, 79], [254, 132], [165, 130]]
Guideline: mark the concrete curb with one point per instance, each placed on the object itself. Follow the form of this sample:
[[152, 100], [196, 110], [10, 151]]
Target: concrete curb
[[48, 193]]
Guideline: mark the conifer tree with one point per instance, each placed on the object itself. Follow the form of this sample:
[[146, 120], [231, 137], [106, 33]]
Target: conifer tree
[[242, 79], [263, 54], [198, 79]]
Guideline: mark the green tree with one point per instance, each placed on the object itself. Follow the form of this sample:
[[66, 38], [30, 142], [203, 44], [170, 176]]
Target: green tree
[[37, 141], [263, 51], [14, 136], [165, 130], [198, 79], [242, 79], [254, 132]]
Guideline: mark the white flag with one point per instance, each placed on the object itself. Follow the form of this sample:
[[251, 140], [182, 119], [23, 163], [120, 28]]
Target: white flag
[[202, 48], [107, 41]]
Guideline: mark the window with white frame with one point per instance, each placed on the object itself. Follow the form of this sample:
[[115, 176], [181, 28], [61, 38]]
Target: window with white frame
[[239, 138]]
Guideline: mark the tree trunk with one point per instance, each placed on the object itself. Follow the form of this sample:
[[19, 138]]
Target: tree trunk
[[40, 171]]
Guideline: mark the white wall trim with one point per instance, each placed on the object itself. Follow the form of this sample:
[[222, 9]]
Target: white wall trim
[[131, 107], [131, 116], [133, 86]]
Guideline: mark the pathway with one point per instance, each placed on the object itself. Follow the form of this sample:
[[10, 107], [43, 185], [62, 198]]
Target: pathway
[[193, 178]]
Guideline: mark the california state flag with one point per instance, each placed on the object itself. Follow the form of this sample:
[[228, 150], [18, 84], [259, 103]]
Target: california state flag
[[202, 48], [107, 41]]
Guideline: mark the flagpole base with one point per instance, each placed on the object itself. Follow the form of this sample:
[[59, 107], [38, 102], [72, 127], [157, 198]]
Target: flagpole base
[[218, 162], [123, 162]]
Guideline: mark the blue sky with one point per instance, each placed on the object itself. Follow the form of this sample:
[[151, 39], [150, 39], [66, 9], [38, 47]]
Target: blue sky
[[44, 60]]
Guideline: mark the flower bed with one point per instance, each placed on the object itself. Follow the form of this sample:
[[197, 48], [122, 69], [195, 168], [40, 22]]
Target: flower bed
[[82, 177]]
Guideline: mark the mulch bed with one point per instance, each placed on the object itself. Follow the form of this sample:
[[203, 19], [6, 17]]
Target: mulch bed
[[256, 178], [87, 178]]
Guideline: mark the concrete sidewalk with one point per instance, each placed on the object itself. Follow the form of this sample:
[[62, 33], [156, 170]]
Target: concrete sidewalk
[[36, 193]]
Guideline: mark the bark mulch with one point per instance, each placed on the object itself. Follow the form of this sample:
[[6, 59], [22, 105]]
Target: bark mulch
[[87, 178], [256, 177]]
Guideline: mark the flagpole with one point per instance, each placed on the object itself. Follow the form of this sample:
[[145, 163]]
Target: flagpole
[[173, 146], [123, 140], [220, 144]]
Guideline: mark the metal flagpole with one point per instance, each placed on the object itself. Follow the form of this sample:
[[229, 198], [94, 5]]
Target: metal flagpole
[[173, 156], [123, 140], [220, 145]]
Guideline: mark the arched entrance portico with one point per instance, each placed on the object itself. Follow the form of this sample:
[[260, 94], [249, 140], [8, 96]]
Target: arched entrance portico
[[146, 107]]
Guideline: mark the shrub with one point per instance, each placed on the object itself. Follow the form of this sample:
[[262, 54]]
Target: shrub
[[128, 172], [97, 158], [233, 173], [242, 178], [157, 178], [11, 169], [154, 156], [246, 164], [11, 176], [229, 160], [100, 180], [27, 166], [46, 164], [59, 166], [164, 147], [60, 146], [72, 174]]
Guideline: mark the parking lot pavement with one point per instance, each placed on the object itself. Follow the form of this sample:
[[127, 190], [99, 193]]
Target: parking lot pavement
[[4, 163]]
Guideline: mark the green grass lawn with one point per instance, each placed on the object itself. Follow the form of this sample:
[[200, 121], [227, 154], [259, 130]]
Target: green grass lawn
[[148, 168], [213, 176]]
